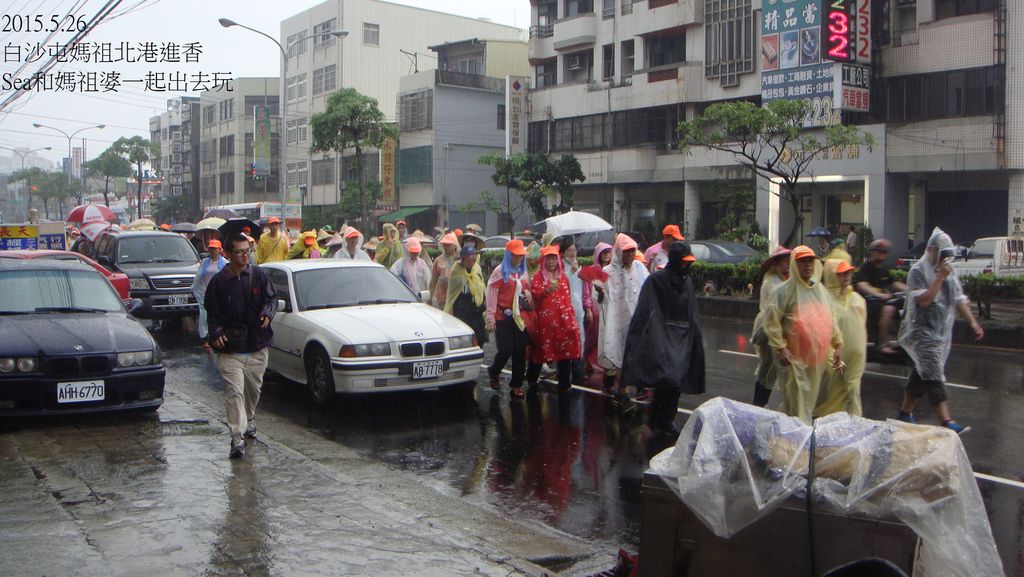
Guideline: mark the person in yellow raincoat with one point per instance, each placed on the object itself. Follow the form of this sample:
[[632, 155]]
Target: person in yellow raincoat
[[839, 251], [842, 388], [389, 250], [273, 244], [776, 271], [306, 247], [801, 330]]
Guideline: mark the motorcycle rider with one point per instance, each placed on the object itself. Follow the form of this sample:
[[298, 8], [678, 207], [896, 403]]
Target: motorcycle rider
[[873, 281]]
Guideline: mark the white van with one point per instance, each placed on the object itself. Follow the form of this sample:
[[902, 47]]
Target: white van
[[999, 255]]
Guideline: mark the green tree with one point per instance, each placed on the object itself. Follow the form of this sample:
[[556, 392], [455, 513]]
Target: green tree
[[170, 208], [32, 177], [110, 165], [770, 140], [56, 186], [535, 177], [138, 151], [350, 206], [351, 120]]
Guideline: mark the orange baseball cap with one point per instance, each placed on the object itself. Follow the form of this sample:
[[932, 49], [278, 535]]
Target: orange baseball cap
[[515, 246], [309, 240], [844, 267], [165, 226], [352, 232], [414, 246], [274, 220], [803, 251], [550, 249], [401, 222], [640, 257], [673, 231], [214, 244]]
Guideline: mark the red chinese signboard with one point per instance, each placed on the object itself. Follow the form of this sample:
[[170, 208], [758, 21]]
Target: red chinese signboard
[[839, 31]]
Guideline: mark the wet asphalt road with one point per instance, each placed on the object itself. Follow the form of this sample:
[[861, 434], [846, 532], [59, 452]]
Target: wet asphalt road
[[575, 463]]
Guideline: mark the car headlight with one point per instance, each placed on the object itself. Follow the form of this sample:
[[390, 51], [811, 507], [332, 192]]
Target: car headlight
[[26, 364], [6, 365], [138, 283], [462, 342], [135, 359], [22, 365], [371, 350]]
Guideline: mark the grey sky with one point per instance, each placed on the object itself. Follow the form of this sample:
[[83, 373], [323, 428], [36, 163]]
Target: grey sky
[[127, 111]]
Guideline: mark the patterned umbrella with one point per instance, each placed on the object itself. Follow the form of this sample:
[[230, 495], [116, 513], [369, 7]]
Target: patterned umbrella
[[212, 223], [225, 213], [142, 224], [92, 229], [90, 212]]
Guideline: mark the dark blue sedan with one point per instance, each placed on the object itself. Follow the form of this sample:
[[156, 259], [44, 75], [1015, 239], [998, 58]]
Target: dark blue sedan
[[67, 344]]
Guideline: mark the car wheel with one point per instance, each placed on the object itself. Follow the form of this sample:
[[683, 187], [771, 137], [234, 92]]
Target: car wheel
[[710, 288], [320, 377]]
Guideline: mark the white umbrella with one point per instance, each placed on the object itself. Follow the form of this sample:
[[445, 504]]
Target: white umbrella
[[574, 222], [92, 229]]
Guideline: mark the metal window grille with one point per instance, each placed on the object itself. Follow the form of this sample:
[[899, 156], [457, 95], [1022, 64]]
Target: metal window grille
[[728, 40]]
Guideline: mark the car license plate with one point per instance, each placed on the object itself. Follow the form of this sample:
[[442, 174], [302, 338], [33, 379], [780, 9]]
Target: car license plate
[[177, 299], [80, 391], [427, 370]]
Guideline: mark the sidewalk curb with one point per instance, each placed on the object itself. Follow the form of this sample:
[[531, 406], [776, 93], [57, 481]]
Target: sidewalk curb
[[996, 335]]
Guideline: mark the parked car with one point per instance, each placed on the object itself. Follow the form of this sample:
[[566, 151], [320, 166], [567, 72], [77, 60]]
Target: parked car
[[998, 255], [353, 327], [722, 251], [67, 344], [160, 267], [118, 280], [587, 242], [498, 242], [908, 259]]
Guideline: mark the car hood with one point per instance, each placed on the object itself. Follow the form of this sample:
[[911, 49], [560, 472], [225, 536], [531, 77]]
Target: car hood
[[51, 334], [389, 323], [152, 268]]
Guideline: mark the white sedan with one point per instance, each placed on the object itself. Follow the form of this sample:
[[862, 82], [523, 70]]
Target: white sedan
[[352, 327]]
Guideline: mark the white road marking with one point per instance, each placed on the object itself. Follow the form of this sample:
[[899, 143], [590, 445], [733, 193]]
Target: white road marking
[[1001, 480], [873, 373]]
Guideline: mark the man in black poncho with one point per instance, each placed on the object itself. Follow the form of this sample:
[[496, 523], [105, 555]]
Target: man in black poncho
[[664, 347]]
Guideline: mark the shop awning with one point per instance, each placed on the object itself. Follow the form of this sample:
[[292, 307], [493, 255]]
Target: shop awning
[[404, 213]]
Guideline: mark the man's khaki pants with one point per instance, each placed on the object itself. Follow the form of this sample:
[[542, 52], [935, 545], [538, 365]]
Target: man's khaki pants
[[243, 381]]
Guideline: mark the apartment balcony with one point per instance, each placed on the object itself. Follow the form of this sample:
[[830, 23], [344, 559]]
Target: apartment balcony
[[916, 52], [576, 31], [542, 42], [661, 14], [463, 80]]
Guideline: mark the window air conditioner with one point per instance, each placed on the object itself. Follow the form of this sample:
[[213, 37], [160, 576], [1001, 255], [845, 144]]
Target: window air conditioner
[[575, 62]]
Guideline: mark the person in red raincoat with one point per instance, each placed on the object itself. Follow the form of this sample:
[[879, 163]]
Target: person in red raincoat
[[556, 336]]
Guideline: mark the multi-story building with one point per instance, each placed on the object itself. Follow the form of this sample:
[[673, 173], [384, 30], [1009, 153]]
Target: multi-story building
[[448, 118], [226, 147], [385, 42], [612, 81], [176, 132]]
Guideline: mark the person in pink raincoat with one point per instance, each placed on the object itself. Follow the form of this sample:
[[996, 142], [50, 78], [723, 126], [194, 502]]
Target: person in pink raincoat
[[556, 336]]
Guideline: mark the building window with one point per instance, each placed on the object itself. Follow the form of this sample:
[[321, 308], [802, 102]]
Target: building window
[[415, 110], [579, 66], [949, 94], [547, 13], [297, 86], [322, 36], [371, 34], [626, 7], [297, 131], [251, 102], [501, 117], [371, 168], [176, 135], [415, 165], [323, 171], [209, 114], [547, 73], [227, 182], [297, 174], [952, 8], [577, 7], [324, 79], [227, 109], [227, 146], [628, 60], [296, 44], [666, 50], [466, 65], [608, 62], [728, 40], [608, 9]]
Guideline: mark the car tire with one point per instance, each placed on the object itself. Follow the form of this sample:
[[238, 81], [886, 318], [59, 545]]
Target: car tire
[[320, 377], [710, 288]]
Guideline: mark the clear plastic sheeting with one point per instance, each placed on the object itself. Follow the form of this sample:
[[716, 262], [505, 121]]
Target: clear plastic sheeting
[[735, 463]]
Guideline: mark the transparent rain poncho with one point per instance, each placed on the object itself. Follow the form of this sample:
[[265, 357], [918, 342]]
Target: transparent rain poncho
[[767, 369], [622, 290], [736, 463], [927, 332], [799, 319], [841, 391]]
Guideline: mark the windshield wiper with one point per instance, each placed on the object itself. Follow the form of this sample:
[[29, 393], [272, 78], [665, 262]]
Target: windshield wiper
[[381, 302], [168, 260], [135, 261], [4, 313], [70, 310], [327, 306]]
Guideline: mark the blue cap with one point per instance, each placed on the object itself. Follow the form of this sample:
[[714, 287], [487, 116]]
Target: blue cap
[[467, 251]]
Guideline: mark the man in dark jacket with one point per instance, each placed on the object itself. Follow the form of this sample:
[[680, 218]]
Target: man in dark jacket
[[240, 303], [664, 347]]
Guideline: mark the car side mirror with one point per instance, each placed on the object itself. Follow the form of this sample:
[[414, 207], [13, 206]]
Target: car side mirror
[[134, 304], [424, 296], [105, 261], [283, 306]]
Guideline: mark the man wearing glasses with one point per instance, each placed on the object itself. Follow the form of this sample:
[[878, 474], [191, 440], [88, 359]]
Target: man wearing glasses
[[240, 303]]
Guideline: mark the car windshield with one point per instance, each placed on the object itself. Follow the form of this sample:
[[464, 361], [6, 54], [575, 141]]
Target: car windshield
[[335, 287], [496, 242], [31, 291], [983, 249], [737, 249], [148, 249]]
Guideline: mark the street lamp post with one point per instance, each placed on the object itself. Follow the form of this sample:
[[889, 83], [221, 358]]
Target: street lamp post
[[23, 155], [282, 165], [69, 137]]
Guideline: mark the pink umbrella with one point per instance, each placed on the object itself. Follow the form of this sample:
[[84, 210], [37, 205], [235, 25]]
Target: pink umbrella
[[90, 212], [92, 229]]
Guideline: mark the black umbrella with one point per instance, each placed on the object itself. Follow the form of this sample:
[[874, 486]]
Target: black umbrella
[[235, 226], [225, 213], [183, 227]]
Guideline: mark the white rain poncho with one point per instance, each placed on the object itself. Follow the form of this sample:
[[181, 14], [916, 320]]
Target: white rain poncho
[[622, 290], [927, 332], [842, 390], [799, 319], [736, 463], [414, 272], [360, 254], [767, 369], [207, 270]]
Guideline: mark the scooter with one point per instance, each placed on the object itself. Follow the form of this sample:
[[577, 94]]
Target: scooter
[[874, 348]]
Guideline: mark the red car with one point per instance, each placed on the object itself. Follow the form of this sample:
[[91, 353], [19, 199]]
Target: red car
[[118, 280]]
